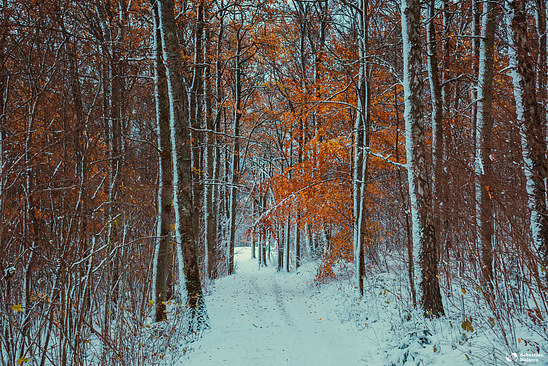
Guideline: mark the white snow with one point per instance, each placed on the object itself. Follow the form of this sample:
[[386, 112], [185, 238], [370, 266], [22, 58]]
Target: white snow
[[268, 318], [261, 317]]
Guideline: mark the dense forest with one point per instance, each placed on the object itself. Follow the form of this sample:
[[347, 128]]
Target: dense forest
[[142, 141]]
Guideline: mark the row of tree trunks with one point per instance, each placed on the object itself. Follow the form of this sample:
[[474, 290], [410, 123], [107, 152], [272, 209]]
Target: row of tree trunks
[[420, 191], [165, 173], [532, 120], [185, 232]]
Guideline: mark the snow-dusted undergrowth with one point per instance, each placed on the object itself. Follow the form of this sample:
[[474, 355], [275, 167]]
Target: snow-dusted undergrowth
[[264, 317]]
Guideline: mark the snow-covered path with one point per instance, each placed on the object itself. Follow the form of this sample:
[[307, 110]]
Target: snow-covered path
[[263, 318]]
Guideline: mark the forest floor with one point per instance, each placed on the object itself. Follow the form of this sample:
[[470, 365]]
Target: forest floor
[[261, 317]]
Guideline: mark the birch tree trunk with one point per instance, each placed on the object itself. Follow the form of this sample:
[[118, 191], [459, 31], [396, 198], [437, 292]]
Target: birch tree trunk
[[264, 235], [165, 189], [211, 191], [210, 169], [253, 231], [361, 144], [532, 122], [424, 236], [476, 17], [302, 13], [235, 153], [405, 200], [196, 117], [185, 231], [297, 240], [484, 125], [281, 242]]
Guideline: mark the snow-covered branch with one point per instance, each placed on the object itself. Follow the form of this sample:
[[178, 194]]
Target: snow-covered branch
[[385, 158]]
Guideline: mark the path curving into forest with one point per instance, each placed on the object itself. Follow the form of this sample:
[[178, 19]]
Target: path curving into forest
[[262, 318]]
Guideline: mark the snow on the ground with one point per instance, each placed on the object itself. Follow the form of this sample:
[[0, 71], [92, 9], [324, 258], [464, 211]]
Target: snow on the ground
[[261, 317]]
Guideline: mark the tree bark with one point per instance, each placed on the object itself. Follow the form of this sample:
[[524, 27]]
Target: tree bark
[[165, 189], [287, 226], [532, 122], [196, 117], [185, 231], [476, 18], [437, 116], [253, 232], [281, 241], [424, 236], [211, 155], [297, 240], [484, 125], [235, 152], [361, 145], [405, 200]]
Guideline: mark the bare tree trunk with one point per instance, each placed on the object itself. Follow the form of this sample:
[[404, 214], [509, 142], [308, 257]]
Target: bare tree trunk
[[260, 246], [264, 253], [304, 32], [165, 189], [253, 229], [361, 146], [405, 200], [196, 117], [287, 226], [297, 240], [281, 242], [532, 121], [484, 125], [211, 155], [264, 236], [185, 231], [476, 17], [4, 93], [209, 199], [236, 151], [437, 116], [424, 236]]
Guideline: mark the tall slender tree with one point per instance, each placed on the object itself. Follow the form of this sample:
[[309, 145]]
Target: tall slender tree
[[185, 232], [424, 236], [437, 113], [484, 126], [165, 189], [532, 123], [361, 144], [235, 162], [210, 160]]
